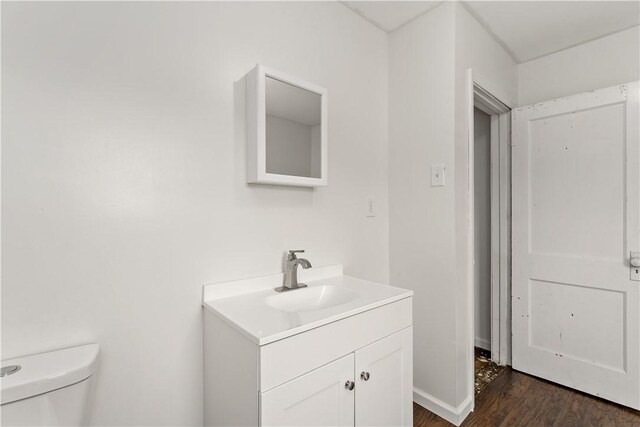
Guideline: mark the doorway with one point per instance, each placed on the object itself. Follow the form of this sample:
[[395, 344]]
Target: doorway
[[490, 210], [482, 237], [485, 369]]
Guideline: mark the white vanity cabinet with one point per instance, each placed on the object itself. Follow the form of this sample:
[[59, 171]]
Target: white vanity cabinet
[[371, 387], [343, 358], [386, 398], [319, 397]]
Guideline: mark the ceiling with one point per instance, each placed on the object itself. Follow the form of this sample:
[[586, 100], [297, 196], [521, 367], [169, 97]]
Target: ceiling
[[526, 29], [390, 15], [530, 29]]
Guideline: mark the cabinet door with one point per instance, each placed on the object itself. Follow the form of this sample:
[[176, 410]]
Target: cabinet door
[[319, 398], [384, 381]]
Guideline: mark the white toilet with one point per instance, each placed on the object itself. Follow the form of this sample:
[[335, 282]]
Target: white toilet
[[49, 389]]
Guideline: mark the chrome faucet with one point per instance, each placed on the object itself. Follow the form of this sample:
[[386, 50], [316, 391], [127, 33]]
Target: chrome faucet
[[291, 272]]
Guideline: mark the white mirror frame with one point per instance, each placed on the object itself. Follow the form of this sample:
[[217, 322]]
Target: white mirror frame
[[257, 133]]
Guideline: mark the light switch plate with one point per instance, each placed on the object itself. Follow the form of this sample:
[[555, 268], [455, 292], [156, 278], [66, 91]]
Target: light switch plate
[[371, 207], [437, 175]]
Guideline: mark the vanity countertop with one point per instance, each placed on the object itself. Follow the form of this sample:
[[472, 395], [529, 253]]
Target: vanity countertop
[[263, 315]]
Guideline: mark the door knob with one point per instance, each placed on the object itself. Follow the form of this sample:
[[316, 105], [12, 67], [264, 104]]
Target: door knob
[[365, 376], [349, 385], [635, 258]]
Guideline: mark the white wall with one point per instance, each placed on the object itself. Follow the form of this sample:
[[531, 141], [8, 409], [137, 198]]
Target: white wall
[[428, 59], [123, 178], [496, 71], [422, 226], [482, 229], [604, 62]]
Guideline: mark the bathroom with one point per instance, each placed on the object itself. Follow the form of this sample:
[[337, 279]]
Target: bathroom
[[125, 135]]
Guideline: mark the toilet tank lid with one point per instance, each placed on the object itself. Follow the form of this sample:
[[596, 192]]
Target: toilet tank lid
[[44, 372]]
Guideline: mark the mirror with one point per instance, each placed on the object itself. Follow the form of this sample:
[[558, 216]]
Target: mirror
[[293, 118], [286, 130]]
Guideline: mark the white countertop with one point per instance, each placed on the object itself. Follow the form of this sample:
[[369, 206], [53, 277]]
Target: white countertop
[[245, 304]]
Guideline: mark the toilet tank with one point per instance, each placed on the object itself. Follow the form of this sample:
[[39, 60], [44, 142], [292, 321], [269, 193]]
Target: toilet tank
[[49, 389]]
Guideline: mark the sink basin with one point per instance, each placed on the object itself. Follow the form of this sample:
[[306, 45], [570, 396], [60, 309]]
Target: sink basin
[[265, 316], [311, 298]]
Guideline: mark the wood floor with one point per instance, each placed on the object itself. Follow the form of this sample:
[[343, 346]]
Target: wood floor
[[518, 400]]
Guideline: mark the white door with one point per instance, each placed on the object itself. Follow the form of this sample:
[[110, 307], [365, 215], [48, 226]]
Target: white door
[[384, 378], [576, 191], [320, 398]]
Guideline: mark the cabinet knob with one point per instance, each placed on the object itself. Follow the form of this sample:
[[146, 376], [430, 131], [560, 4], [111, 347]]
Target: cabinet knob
[[349, 385], [365, 376]]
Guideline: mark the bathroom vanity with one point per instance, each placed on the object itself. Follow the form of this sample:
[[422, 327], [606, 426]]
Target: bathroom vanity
[[335, 353]]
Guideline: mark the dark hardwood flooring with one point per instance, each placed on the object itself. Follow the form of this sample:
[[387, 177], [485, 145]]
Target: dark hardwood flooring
[[514, 399]]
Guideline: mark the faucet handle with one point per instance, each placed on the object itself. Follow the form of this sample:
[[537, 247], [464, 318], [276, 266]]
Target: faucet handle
[[292, 254]]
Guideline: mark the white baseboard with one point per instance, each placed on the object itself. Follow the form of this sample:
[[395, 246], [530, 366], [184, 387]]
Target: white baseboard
[[482, 343], [465, 408], [444, 410]]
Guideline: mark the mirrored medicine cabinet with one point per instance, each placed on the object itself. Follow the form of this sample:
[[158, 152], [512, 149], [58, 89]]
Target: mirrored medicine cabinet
[[286, 130]]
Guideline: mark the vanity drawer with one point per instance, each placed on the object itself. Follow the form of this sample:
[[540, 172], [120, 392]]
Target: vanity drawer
[[291, 357]]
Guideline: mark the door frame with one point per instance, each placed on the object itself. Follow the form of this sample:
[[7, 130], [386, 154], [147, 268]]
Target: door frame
[[490, 101]]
